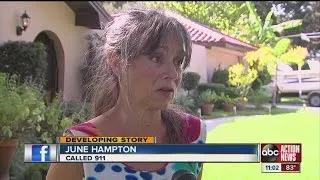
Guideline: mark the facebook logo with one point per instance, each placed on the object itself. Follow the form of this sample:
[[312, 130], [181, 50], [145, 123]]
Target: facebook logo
[[40, 153]]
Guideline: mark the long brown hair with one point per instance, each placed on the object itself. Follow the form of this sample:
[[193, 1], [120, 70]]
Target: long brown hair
[[128, 35]]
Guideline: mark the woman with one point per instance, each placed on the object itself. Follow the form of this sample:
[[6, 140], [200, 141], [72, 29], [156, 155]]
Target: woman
[[138, 71]]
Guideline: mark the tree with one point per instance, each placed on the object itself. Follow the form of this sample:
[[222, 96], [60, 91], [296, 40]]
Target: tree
[[264, 33], [190, 81], [242, 78], [237, 19], [224, 16], [118, 6], [267, 57], [308, 11]]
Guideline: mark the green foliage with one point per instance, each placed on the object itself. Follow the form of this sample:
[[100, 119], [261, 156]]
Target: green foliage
[[216, 87], [21, 107], [281, 47], [237, 19], [258, 97], [27, 171], [268, 58], [77, 110], [220, 76], [24, 59], [264, 32], [225, 99], [232, 92], [242, 78], [221, 15], [207, 97], [55, 122], [190, 80], [256, 84], [295, 55], [264, 76], [186, 102]]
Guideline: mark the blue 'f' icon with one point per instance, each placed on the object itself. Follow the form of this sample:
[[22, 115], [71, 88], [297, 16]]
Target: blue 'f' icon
[[40, 153]]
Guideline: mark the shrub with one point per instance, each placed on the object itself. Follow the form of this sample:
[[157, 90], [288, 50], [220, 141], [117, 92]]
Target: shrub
[[77, 110], [264, 76], [207, 97], [220, 76], [27, 171], [55, 122], [24, 59], [232, 92], [256, 84], [21, 107], [242, 78], [225, 99], [186, 102], [216, 87], [258, 97], [190, 80]]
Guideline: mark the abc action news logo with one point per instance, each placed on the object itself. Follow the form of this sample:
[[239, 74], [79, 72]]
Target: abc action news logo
[[280, 152]]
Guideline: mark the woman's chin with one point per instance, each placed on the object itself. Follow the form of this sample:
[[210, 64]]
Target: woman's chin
[[162, 105]]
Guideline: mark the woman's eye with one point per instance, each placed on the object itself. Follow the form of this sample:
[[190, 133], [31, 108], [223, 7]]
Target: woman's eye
[[155, 59], [178, 62]]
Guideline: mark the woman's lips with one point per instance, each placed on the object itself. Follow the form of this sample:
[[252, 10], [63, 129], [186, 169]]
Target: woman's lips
[[166, 91]]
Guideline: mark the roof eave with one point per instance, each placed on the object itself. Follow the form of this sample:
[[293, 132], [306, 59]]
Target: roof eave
[[90, 14], [226, 45]]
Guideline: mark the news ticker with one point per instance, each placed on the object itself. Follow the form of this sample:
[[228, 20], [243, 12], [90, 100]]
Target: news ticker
[[144, 149]]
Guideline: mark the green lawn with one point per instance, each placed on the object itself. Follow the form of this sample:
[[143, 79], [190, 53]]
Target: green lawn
[[292, 100], [300, 127], [248, 111]]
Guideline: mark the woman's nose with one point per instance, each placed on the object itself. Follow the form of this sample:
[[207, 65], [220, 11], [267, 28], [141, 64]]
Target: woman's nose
[[171, 71]]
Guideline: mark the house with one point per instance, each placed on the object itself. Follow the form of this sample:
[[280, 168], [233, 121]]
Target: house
[[211, 48], [63, 27]]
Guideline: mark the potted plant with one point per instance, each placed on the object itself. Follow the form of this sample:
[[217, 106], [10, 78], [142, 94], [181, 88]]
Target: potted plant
[[228, 102], [20, 107], [241, 103], [207, 99]]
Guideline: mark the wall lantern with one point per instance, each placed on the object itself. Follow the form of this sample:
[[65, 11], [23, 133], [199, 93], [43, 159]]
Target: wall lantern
[[25, 20]]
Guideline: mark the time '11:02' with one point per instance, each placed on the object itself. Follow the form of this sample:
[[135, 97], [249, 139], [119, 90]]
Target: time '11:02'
[[272, 167]]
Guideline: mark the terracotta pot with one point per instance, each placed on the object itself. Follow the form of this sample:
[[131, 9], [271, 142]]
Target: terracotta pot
[[7, 150], [241, 105], [228, 107], [206, 109]]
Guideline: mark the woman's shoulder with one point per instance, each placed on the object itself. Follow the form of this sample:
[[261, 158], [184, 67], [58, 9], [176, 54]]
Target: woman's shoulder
[[82, 129], [194, 128]]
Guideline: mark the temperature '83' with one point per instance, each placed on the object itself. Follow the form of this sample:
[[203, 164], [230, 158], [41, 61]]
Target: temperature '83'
[[290, 167]]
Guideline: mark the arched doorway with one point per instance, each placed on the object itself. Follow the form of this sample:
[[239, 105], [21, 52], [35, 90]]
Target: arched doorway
[[55, 61]]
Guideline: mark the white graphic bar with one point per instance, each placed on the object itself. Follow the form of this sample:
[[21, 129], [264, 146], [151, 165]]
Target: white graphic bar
[[159, 158], [271, 167]]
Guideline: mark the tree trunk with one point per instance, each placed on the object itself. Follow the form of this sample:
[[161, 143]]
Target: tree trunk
[[299, 77], [274, 97]]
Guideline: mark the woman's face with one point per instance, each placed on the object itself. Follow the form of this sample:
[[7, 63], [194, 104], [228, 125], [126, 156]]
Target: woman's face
[[153, 79]]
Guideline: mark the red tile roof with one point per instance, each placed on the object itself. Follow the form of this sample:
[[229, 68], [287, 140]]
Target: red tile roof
[[204, 35]]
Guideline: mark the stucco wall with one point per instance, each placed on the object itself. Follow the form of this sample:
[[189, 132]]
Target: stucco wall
[[223, 57], [55, 17], [199, 62]]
